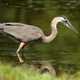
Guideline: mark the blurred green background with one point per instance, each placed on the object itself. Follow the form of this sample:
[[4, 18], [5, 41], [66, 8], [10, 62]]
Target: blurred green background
[[64, 49]]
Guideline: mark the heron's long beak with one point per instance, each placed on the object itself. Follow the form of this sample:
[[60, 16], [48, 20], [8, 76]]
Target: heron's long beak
[[71, 27]]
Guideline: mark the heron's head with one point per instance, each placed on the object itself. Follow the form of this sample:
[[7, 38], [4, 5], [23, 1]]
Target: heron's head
[[67, 23]]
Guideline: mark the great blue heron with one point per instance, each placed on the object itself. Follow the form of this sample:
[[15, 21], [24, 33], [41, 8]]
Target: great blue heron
[[25, 33]]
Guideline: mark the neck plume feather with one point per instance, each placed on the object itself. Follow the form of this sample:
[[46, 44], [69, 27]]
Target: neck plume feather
[[47, 39]]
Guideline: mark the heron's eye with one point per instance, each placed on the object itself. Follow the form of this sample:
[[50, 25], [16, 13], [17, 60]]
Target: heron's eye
[[65, 21]]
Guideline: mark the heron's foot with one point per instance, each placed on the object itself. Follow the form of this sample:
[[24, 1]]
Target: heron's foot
[[21, 60]]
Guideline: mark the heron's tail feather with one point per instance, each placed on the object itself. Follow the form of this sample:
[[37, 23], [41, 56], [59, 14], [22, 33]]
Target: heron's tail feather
[[1, 26]]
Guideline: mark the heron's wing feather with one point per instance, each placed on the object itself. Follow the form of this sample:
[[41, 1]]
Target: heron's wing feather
[[14, 24], [25, 33]]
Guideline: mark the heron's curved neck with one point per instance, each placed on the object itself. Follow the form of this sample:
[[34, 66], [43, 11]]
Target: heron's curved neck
[[53, 34]]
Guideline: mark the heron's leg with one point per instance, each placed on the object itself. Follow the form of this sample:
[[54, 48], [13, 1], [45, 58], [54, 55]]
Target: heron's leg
[[22, 44]]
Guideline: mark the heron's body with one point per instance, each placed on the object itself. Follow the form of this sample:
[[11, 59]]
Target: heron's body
[[26, 33], [22, 32]]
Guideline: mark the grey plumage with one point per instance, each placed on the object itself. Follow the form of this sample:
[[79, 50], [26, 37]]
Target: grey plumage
[[22, 31]]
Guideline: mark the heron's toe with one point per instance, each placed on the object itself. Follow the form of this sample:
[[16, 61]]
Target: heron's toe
[[21, 61]]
